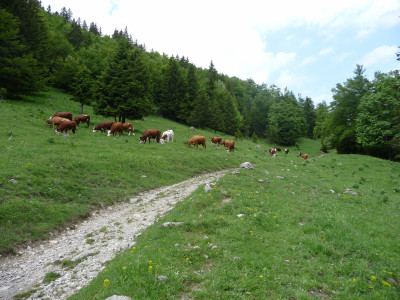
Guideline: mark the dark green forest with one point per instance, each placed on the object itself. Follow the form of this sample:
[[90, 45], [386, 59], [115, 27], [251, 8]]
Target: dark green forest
[[121, 79]]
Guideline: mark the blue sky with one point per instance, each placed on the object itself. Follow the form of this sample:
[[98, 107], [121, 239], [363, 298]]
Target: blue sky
[[307, 46]]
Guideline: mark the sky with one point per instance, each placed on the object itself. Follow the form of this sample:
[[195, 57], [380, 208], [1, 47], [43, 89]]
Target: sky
[[306, 46]]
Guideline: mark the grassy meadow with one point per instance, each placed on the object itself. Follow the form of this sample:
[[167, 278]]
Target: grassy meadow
[[288, 233]]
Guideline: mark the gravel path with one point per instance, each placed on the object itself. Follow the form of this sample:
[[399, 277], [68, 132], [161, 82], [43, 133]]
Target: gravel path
[[111, 230]]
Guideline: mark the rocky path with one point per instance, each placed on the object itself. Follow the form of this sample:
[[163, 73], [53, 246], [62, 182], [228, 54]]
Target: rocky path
[[90, 244]]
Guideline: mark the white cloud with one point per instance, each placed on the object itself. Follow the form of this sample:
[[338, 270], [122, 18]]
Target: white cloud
[[308, 60], [381, 54], [326, 51]]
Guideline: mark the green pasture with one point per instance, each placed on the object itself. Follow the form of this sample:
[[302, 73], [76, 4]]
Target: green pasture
[[284, 230]]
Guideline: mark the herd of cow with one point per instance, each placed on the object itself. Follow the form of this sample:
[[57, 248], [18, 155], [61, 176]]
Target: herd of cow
[[63, 121]]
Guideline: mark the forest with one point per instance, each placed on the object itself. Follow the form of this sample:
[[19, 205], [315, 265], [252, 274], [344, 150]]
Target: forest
[[121, 79]]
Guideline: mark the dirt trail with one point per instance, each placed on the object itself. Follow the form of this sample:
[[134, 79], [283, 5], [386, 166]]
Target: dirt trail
[[110, 230]]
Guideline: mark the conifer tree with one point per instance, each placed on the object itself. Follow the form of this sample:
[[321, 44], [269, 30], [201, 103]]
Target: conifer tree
[[124, 86]]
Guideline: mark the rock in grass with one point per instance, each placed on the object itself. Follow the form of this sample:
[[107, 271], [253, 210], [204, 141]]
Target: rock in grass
[[171, 224], [162, 278], [349, 191], [207, 188], [246, 165], [116, 297]]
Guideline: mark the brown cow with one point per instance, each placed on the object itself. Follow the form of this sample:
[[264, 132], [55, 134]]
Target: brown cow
[[150, 134], [286, 150], [129, 127], [66, 115], [117, 127], [272, 152], [82, 119], [304, 156], [197, 140], [216, 140], [278, 149], [65, 126], [55, 121], [229, 145], [103, 126]]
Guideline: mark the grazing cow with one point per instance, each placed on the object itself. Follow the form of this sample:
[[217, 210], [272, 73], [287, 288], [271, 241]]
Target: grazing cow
[[286, 150], [129, 127], [103, 126], [55, 121], [66, 115], [65, 126], [117, 127], [216, 140], [82, 119], [304, 156], [278, 149], [272, 152], [197, 140], [150, 134], [166, 136], [229, 145]]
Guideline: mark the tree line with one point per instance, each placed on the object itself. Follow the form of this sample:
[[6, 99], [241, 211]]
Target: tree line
[[121, 79]]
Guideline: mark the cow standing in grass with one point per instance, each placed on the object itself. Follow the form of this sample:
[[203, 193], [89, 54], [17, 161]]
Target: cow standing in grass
[[197, 140]]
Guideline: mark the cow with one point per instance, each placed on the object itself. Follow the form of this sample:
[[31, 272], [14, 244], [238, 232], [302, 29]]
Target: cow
[[103, 126], [82, 119], [166, 136], [272, 152], [66, 115], [128, 127], [197, 140], [65, 126], [286, 150], [216, 140], [278, 149], [304, 156], [229, 145], [55, 121], [117, 127], [150, 134]]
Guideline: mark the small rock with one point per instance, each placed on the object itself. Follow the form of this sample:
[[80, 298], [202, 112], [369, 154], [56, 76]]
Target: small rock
[[236, 258], [66, 135], [246, 165], [240, 215], [266, 180], [279, 177], [235, 172], [162, 278], [144, 176], [13, 180], [84, 254], [332, 191], [172, 224], [349, 191], [116, 297], [207, 187], [266, 172], [258, 147], [260, 180]]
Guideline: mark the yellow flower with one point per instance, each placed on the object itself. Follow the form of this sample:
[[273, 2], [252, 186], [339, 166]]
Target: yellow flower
[[124, 268], [150, 268], [106, 283], [150, 262], [354, 280], [187, 259], [251, 232], [385, 283], [373, 277], [261, 276]]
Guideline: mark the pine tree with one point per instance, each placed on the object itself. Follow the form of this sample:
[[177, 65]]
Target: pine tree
[[124, 86], [82, 87]]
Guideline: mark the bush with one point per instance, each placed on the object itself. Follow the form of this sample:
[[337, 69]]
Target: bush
[[254, 137]]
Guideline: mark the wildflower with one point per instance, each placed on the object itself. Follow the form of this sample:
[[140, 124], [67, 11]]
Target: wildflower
[[150, 262], [124, 268], [373, 277], [187, 259], [390, 273], [261, 276], [354, 280], [251, 232], [150, 268], [106, 283], [385, 283]]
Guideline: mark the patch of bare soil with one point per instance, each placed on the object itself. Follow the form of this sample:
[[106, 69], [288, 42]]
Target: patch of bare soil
[[92, 243]]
